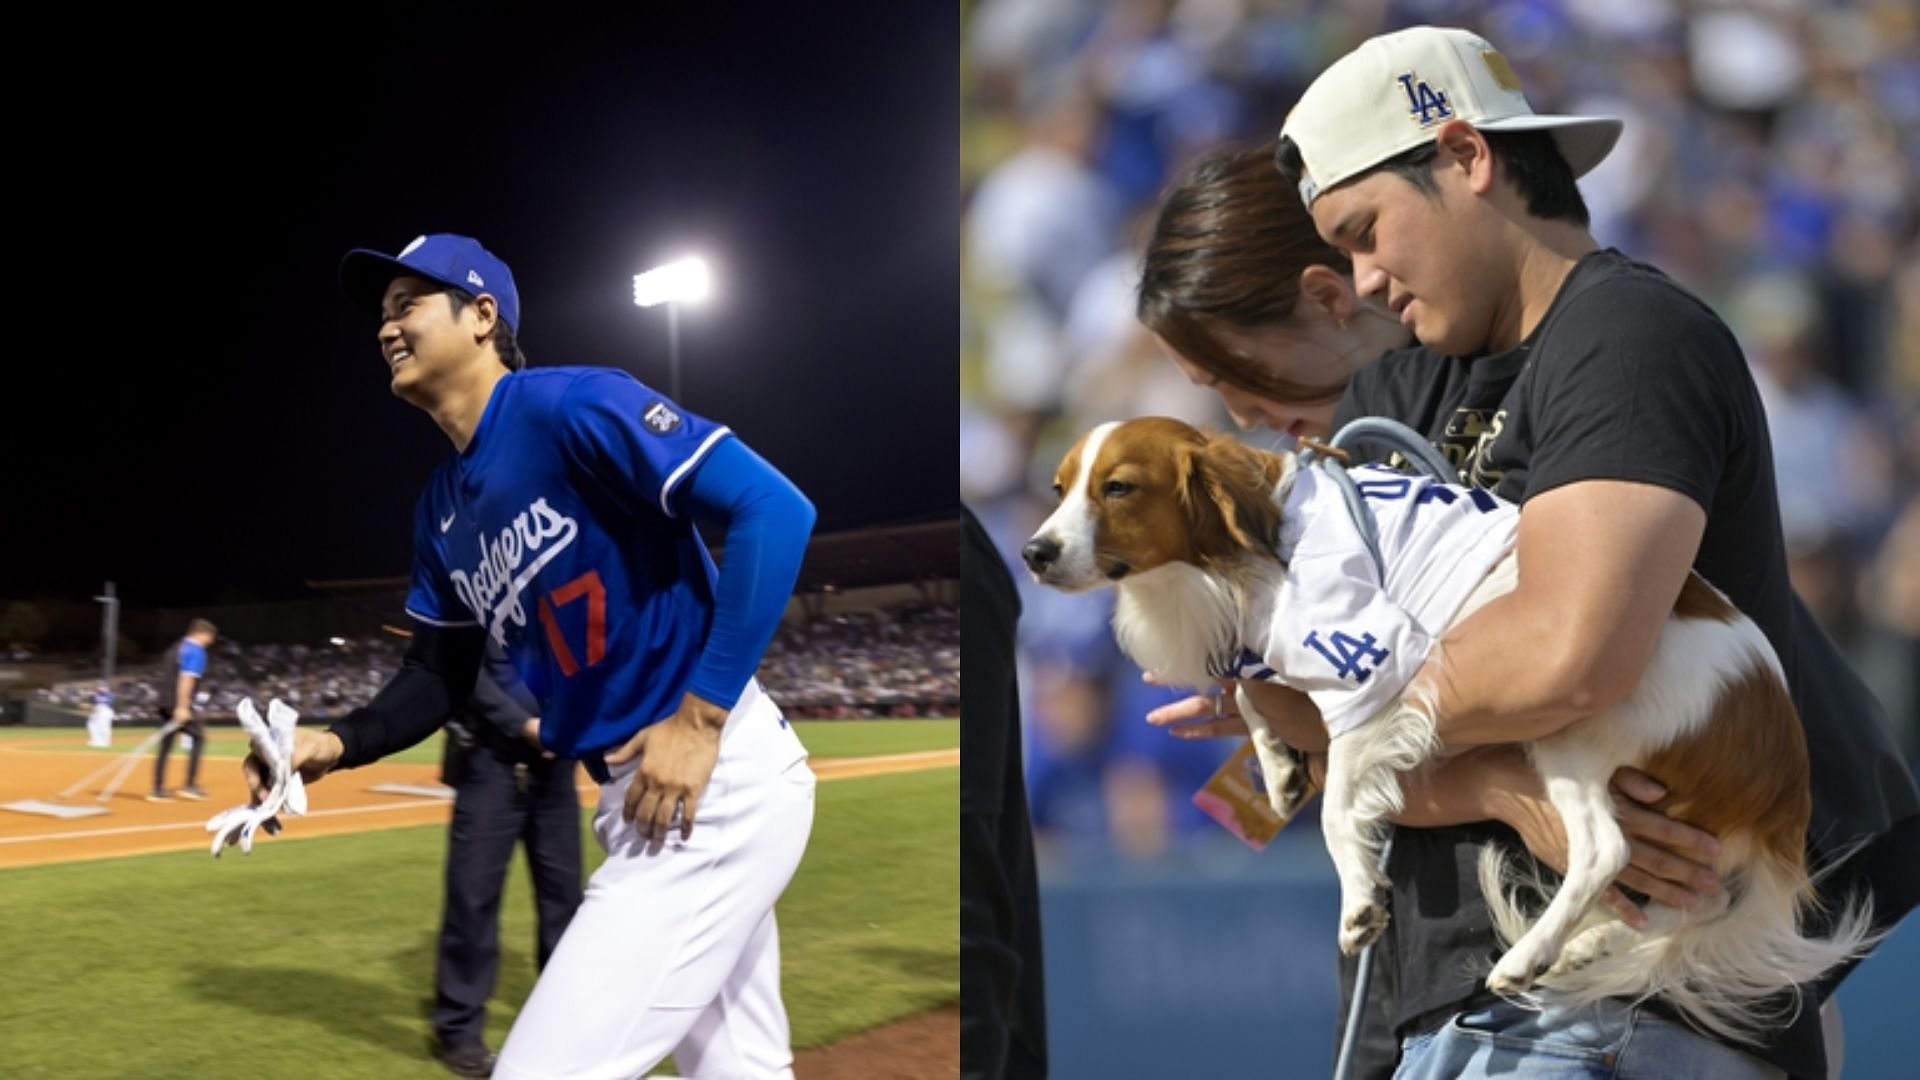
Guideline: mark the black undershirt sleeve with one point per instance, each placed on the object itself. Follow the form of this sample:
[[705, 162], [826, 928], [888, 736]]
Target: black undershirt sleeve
[[434, 681]]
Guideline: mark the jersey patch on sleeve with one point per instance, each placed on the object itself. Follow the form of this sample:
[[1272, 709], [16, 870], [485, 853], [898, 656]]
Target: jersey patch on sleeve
[[660, 420]]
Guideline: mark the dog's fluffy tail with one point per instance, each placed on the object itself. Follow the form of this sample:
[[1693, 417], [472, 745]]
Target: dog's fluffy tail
[[1732, 973]]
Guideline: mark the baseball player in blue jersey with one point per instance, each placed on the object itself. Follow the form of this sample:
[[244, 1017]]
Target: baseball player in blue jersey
[[563, 528]]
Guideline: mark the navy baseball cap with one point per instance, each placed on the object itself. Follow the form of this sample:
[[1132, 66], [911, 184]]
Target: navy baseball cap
[[458, 261]]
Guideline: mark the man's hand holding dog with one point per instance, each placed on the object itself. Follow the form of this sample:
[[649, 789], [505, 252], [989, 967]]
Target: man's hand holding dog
[[1671, 861]]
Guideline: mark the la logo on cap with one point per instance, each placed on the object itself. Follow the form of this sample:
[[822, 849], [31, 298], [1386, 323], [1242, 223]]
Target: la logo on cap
[[1355, 114], [1427, 105]]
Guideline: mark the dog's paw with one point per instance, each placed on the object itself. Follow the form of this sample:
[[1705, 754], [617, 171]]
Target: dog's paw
[[1283, 776], [1287, 798], [1586, 947], [1514, 974], [1298, 781], [1277, 799], [1568, 964], [1289, 791], [1361, 925]]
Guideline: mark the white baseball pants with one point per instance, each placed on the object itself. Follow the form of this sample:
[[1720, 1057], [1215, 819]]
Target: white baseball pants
[[674, 950]]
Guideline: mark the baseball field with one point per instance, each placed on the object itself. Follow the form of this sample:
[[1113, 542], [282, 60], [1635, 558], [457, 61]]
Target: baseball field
[[131, 953]]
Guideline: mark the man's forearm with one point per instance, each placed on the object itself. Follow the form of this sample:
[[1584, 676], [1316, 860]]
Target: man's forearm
[[1496, 677], [1485, 784], [412, 706], [183, 691], [435, 681], [1492, 783], [1598, 564], [495, 705]]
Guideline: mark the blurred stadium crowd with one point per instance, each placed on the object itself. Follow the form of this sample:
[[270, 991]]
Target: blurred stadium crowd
[[900, 663], [865, 664], [1771, 163], [321, 682]]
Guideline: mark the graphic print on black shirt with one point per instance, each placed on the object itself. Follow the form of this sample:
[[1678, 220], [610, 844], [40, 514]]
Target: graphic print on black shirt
[[1465, 439]]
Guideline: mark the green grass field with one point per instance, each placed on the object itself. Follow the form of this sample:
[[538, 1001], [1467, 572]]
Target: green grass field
[[823, 738], [314, 958]]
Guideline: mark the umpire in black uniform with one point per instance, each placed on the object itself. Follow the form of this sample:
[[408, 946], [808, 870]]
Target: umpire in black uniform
[[506, 789]]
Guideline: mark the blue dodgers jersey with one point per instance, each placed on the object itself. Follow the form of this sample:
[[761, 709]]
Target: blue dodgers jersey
[[555, 530], [193, 658]]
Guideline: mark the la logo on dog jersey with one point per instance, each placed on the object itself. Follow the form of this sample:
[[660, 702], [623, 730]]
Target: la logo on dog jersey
[[1349, 655], [659, 419], [1427, 105]]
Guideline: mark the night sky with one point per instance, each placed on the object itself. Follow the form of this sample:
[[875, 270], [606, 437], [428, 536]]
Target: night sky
[[195, 410]]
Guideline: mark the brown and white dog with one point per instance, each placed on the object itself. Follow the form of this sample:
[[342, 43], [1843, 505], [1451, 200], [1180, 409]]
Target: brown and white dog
[[1184, 525]]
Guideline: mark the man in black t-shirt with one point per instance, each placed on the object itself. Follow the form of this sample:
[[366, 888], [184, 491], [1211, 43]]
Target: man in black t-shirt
[[1619, 412]]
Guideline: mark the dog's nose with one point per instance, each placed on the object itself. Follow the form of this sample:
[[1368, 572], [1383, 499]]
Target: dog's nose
[[1040, 553]]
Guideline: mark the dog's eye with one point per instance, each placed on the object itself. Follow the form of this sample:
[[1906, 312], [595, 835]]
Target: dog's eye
[[1116, 488], [1058, 491]]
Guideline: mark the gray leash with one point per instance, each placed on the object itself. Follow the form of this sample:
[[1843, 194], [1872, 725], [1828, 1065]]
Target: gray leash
[[1395, 436]]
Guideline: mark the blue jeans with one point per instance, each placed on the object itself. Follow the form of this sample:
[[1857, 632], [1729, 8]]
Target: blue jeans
[[1615, 1042]]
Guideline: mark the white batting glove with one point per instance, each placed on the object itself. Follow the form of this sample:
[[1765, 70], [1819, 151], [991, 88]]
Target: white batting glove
[[281, 718], [237, 826], [272, 742]]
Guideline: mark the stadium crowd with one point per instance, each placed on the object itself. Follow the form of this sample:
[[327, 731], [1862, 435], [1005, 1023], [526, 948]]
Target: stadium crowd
[[1771, 164], [860, 664], [900, 663], [322, 682]]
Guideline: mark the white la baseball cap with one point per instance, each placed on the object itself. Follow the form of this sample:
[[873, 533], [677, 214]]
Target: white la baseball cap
[[1390, 95]]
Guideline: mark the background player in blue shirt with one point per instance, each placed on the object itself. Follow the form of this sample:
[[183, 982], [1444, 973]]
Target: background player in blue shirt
[[563, 529], [186, 665]]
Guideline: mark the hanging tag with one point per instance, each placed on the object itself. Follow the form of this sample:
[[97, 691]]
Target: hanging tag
[[1236, 797]]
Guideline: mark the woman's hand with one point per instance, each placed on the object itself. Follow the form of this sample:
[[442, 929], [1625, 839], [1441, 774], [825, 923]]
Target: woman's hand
[[1290, 714], [1202, 716]]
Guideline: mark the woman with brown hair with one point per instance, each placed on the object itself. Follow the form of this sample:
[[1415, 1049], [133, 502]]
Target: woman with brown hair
[[1250, 302]]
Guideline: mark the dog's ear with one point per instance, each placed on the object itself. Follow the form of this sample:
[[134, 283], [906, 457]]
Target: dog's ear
[[1230, 485]]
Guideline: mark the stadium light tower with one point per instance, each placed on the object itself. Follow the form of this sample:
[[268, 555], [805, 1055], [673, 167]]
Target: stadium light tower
[[109, 630], [682, 281]]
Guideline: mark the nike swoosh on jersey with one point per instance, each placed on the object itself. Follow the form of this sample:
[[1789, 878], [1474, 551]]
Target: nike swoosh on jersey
[[448, 524]]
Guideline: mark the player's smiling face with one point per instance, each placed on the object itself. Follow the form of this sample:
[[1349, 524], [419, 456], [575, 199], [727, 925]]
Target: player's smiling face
[[421, 339]]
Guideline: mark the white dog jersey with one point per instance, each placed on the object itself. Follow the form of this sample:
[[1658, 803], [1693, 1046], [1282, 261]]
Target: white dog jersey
[[1341, 635]]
